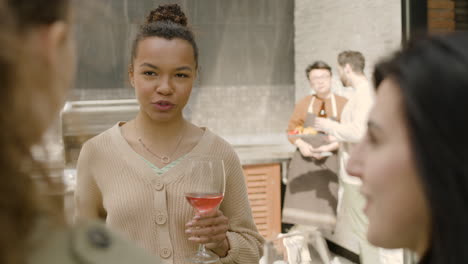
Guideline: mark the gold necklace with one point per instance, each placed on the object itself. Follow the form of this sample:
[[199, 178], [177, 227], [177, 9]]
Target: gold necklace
[[164, 159]]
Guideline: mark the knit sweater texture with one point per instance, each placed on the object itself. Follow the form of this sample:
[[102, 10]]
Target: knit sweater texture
[[115, 184]]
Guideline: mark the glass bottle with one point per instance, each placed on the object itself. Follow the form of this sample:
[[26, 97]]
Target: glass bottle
[[322, 111]]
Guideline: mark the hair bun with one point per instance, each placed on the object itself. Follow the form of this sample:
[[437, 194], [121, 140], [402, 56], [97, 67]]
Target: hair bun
[[169, 12]]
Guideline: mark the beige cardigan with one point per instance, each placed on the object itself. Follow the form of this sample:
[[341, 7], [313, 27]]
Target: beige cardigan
[[115, 183]]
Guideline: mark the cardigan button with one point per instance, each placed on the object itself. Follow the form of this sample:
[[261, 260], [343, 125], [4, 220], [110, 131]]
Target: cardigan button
[[159, 186], [161, 219], [98, 238], [166, 253]]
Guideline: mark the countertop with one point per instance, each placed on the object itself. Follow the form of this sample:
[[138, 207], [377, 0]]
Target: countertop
[[266, 154], [263, 154]]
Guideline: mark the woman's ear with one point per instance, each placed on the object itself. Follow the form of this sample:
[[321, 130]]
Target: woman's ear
[[131, 75], [195, 74], [347, 69], [54, 39]]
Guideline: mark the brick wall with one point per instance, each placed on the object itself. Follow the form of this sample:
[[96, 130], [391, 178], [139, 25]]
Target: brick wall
[[441, 16], [461, 15]]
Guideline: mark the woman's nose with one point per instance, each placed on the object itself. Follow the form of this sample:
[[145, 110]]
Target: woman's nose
[[355, 166], [164, 87]]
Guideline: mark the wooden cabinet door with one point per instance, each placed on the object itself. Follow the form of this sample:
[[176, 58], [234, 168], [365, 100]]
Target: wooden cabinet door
[[264, 190]]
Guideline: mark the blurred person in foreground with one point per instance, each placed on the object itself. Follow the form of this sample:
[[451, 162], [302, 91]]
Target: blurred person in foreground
[[413, 161], [37, 68]]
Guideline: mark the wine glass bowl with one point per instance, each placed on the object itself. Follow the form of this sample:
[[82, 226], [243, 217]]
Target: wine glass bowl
[[204, 202], [205, 192]]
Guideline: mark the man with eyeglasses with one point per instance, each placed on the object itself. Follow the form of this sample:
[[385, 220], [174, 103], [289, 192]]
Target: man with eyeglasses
[[312, 191]]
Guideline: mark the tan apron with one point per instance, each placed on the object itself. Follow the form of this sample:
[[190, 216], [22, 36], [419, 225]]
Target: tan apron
[[312, 191]]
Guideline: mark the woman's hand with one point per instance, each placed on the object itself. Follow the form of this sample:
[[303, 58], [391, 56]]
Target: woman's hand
[[210, 228]]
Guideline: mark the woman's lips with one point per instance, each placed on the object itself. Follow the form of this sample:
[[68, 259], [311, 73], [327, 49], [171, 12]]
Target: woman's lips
[[163, 106], [366, 207]]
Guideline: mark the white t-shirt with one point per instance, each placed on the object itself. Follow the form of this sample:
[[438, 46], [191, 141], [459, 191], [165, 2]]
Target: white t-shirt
[[353, 125]]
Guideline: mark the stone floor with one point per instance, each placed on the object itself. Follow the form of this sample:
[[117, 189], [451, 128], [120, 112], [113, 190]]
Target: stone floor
[[335, 259]]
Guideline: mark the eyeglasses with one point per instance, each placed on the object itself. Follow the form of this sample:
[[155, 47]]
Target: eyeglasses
[[321, 77]]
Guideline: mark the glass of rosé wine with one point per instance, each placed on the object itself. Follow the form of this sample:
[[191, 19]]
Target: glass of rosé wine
[[207, 180]]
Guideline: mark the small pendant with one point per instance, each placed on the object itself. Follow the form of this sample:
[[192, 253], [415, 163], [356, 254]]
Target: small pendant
[[165, 159]]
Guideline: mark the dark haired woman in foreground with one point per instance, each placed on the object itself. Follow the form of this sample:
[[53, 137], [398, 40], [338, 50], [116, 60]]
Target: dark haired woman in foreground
[[414, 160]]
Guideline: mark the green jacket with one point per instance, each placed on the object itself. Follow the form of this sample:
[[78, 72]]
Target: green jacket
[[88, 244]]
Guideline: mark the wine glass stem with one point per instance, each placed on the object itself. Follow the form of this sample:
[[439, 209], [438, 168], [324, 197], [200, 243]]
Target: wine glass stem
[[201, 249]]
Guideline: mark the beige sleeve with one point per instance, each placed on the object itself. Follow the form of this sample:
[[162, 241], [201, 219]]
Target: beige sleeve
[[298, 116], [353, 130], [246, 243], [88, 198]]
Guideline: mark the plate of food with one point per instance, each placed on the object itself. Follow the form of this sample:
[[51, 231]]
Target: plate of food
[[301, 131]]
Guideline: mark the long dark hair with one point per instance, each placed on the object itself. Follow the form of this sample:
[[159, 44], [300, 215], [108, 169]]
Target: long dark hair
[[433, 77], [35, 12], [19, 203]]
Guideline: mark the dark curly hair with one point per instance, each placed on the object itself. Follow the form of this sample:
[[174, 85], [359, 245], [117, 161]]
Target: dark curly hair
[[167, 13], [168, 22]]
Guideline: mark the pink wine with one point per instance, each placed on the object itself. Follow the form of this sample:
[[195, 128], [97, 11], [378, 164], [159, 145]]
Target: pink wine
[[204, 202]]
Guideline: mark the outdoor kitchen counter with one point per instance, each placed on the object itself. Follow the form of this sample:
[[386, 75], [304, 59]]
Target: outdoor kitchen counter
[[252, 155], [262, 154]]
